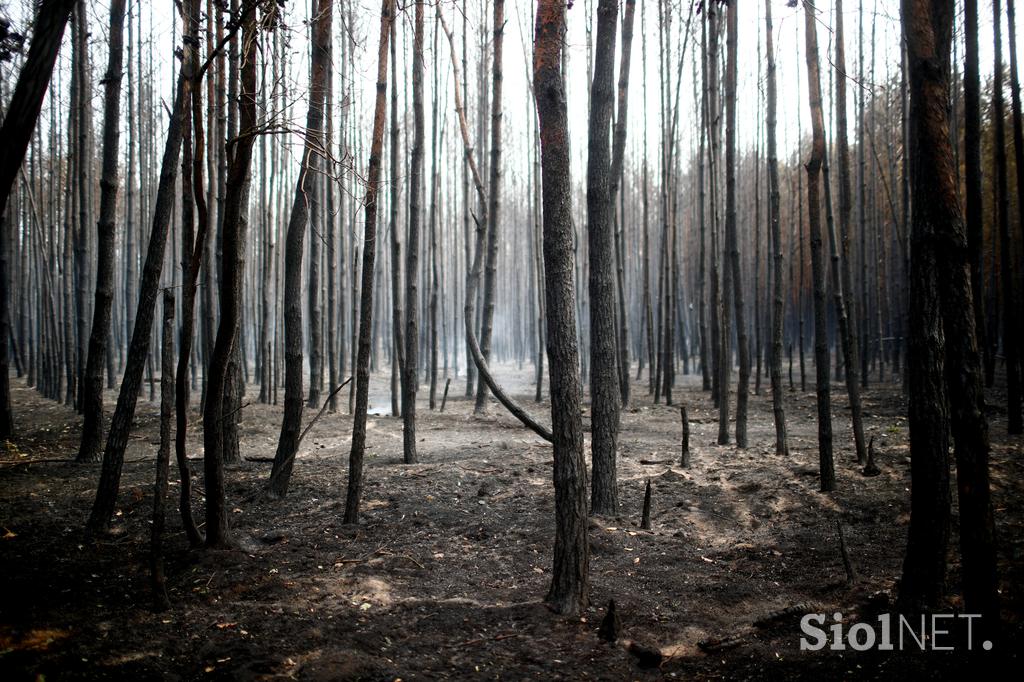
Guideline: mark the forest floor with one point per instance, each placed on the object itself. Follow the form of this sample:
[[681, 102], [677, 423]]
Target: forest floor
[[445, 575]]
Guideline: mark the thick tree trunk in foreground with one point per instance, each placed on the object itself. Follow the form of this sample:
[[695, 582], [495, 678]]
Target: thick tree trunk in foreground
[[92, 382], [291, 424], [814, 162], [569, 589], [362, 368], [16, 132], [604, 378], [945, 372], [234, 227]]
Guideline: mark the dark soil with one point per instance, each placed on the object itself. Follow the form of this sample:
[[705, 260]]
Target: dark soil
[[445, 575]]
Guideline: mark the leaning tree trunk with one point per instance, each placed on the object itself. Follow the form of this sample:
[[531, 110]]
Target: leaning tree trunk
[[234, 227], [604, 379], [814, 162], [474, 270], [569, 589], [138, 348], [92, 382], [362, 369], [16, 132], [291, 424], [778, 309]]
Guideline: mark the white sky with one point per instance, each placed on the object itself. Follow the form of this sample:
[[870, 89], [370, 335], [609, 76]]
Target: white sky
[[789, 45]]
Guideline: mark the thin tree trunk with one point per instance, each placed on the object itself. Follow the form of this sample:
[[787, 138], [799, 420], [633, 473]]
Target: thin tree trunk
[[291, 424], [412, 252], [618, 155], [235, 224], [1014, 418], [362, 369], [813, 166], [493, 202], [732, 242], [92, 382], [973, 174], [847, 315], [778, 305]]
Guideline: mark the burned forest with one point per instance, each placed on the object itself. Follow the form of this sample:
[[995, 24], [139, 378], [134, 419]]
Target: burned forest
[[511, 339]]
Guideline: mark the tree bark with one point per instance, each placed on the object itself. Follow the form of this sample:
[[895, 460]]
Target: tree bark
[[92, 382], [946, 373], [814, 162], [412, 251], [604, 379], [568, 593]]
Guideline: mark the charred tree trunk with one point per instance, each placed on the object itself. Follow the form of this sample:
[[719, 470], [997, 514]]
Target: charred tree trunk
[[234, 226], [778, 304], [291, 424], [138, 349], [92, 382], [412, 251], [814, 163], [362, 368], [732, 242]]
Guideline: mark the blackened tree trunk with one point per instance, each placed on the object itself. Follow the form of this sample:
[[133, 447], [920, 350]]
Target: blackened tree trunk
[[138, 348], [732, 242], [569, 589], [291, 424], [16, 132], [92, 382], [412, 251], [973, 204], [362, 368], [1014, 418], [604, 379], [397, 316], [778, 305], [234, 227], [945, 374], [163, 458], [813, 166]]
